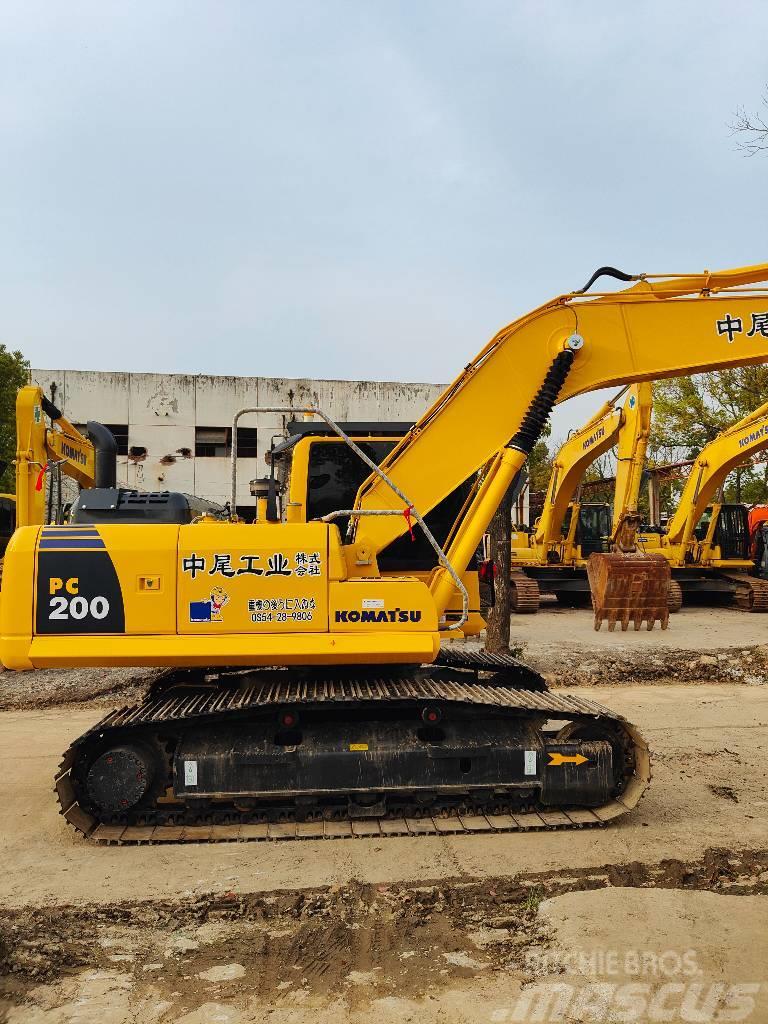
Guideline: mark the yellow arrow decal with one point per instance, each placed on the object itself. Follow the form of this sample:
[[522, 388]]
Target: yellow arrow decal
[[555, 759]]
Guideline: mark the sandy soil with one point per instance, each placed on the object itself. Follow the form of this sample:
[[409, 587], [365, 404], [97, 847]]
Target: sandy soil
[[701, 644], [706, 740], [458, 951], [691, 629], [671, 901]]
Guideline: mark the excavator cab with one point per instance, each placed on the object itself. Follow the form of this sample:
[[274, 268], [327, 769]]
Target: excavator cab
[[593, 528], [732, 532]]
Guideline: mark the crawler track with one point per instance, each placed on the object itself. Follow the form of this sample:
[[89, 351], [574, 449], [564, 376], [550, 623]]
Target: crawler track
[[190, 701], [675, 596], [525, 596], [751, 593]]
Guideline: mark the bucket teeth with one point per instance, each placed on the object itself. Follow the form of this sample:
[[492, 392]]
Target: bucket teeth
[[629, 588]]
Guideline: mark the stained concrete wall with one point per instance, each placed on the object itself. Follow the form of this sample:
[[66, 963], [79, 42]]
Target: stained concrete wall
[[162, 411]]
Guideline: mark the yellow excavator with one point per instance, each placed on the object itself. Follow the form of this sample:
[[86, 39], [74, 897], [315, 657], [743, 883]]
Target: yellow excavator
[[707, 542], [552, 557], [308, 694]]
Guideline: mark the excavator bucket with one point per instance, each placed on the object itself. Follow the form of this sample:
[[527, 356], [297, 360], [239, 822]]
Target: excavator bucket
[[629, 587]]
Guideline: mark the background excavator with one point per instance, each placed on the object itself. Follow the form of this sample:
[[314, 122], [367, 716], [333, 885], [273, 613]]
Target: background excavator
[[309, 694], [552, 557], [707, 542], [59, 450], [48, 448]]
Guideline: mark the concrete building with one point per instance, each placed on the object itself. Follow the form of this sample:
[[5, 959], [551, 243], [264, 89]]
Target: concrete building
[[174, 430]]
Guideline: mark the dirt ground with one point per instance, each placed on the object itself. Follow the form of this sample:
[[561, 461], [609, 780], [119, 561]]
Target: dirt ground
[[660, 917]]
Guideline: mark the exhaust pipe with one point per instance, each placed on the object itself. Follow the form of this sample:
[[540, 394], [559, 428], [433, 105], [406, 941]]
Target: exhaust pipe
[[105, 454]]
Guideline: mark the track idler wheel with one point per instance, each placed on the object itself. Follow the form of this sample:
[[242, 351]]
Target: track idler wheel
[[119, 778], [524, 594], [674, 596]]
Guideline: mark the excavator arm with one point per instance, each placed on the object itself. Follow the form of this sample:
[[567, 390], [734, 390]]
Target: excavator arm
[[659, 327], [572, 460], [713, 464], [630, 463]]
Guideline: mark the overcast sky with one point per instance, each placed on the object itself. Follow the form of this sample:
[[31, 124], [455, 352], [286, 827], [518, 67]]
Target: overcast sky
[[359, 189]]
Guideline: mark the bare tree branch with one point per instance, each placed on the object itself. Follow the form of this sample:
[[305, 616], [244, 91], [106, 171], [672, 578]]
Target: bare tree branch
[[751, 130]]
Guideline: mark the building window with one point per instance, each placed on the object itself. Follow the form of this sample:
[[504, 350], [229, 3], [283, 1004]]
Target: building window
[[216, 442], [212, 442], [118, 430], [247, 442]]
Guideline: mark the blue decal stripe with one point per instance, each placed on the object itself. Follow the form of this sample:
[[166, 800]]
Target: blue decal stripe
[[73, 542]]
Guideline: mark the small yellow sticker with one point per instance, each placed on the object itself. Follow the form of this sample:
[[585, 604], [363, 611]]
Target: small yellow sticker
[[358, 746], [149, 583]]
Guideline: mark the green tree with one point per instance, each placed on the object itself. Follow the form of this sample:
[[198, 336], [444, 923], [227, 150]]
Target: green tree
[[539, 466], [539, 471], [14, 374], [689, 412]]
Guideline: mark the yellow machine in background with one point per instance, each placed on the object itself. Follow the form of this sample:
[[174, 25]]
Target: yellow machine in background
[[552, 558], [55, 450], [352, 716], [707, 542]]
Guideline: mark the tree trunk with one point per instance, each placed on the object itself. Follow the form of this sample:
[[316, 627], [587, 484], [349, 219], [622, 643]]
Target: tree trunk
[[498, 632]]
